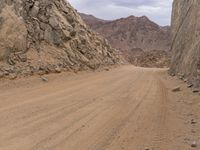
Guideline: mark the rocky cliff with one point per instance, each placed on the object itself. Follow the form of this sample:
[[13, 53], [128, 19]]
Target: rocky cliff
[[131, 32], [186, 40], [41, 36]]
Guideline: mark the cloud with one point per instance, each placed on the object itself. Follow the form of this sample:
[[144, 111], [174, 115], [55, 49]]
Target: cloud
[[157, 10]]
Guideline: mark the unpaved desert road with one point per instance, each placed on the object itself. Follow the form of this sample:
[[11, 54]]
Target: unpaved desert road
[[126, 108]]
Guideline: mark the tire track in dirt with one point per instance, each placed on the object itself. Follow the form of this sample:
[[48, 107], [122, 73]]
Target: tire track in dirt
[[124, 108]]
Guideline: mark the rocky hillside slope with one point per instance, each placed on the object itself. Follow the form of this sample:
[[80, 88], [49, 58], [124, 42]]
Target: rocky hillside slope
[[131, 32], [148, 59], [40, 36], [186, 40]]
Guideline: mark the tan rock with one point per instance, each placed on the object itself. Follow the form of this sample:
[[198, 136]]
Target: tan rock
[[186, 38], [49, 33]]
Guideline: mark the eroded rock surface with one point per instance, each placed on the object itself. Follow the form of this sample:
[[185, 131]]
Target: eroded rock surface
[[41, 36], [186, 40]]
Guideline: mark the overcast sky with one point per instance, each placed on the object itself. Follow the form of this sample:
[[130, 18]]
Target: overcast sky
[[157, 10]]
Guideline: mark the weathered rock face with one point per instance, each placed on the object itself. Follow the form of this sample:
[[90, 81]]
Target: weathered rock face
[[42, 35], [186, 39]]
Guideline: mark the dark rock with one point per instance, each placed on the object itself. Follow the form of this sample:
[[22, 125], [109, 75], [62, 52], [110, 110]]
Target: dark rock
[[195, 90], [106, 69], [190, 85], [176, 89], [194, 144], [193, 121]]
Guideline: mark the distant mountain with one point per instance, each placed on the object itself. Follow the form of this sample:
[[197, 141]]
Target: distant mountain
[[131, 32], [92, 21], [141, 41]]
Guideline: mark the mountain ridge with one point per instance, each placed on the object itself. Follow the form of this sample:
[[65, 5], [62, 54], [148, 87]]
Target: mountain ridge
[[138, 38], [131, 32]]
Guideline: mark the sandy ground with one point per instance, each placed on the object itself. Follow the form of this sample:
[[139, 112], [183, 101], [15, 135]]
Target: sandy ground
[[126, 108]]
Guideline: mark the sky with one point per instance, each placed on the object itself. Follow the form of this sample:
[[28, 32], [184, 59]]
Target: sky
[[158, 11]]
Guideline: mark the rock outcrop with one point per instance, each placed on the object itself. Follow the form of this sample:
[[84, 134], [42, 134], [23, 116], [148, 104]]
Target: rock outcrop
[[186, 40], [41, 36]]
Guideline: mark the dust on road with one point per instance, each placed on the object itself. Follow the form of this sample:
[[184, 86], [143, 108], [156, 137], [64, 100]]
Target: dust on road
[[126, 108]]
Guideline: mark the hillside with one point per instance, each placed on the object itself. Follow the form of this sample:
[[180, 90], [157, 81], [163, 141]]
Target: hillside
[[186, 40], [141, 41], [48, 36], [131, 32]]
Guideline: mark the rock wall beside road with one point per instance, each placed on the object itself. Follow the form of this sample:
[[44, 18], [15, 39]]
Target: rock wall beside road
[[40, 36], [186, 40]]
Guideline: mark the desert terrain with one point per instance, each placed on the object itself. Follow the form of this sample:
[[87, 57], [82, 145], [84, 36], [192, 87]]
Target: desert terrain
[[66, 86], [125, 107]]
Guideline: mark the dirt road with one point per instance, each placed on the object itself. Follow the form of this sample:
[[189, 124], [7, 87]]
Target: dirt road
[[125, 108]]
